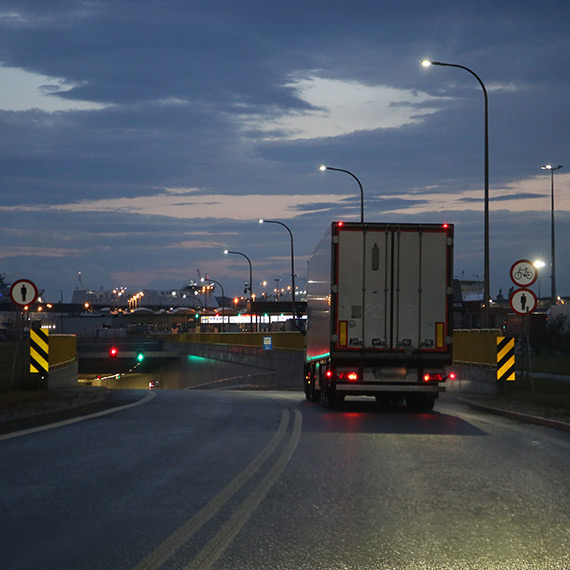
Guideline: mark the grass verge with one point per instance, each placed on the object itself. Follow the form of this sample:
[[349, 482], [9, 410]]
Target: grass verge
[[541, 392]]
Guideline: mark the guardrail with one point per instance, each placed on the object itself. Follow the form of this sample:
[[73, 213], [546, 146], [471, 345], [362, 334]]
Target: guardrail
[[476, 346]]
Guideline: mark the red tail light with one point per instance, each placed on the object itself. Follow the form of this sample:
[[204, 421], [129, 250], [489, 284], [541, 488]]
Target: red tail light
[[350, 376], [438, 377]]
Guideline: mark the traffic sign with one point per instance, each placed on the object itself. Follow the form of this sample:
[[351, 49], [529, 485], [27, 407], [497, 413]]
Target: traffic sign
[[23, 292], [523, 301], [523, 273]]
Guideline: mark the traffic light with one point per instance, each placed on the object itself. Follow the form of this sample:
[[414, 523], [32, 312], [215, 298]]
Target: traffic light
[[113, 352], [140, 356]]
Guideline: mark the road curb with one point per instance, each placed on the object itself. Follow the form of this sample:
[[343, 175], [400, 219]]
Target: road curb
[[554, 424]]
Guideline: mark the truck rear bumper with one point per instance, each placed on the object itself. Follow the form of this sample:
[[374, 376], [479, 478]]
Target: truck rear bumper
[[365, 389]]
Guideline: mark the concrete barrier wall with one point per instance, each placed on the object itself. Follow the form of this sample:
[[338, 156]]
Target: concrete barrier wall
[[63, 365], [475, 361], [63, 377], [279, 340], [62, 349], [215, 365]]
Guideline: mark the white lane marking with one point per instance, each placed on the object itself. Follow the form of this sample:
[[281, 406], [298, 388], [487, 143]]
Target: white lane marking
[[70, 421]]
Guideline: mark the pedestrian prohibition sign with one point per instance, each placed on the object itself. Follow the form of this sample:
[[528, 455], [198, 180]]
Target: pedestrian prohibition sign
[[523, 301], [23, 292]]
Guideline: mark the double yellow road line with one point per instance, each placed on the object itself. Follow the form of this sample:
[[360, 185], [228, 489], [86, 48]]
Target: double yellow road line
[[214, 548]]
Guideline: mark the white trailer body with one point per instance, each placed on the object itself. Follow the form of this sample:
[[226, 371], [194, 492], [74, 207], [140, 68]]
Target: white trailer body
[[379, 299]]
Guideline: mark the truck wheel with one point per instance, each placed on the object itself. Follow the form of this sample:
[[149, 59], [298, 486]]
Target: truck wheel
[[421, 403], [329, 397], [315, 394]]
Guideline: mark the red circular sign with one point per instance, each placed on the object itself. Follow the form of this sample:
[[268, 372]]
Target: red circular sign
[[23, 292], [524, 273], [523, 301]]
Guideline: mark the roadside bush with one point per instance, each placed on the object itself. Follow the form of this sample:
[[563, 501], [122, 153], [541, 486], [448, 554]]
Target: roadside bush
[[554, 340]]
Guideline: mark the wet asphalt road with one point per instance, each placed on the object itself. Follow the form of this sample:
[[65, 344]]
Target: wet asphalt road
[[266, 480]]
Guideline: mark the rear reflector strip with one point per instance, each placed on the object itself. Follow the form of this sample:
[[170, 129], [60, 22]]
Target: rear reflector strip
[[342, 333], [439, 335]]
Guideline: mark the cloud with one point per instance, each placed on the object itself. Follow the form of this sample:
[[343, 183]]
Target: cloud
[[23, 90], [186, 204], [338, 107]]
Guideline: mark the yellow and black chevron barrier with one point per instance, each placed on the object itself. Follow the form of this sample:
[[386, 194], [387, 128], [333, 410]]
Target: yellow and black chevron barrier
[[505, 358], [39, 351]]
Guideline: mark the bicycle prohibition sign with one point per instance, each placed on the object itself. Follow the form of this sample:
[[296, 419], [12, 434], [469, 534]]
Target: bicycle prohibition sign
[[523, 273]]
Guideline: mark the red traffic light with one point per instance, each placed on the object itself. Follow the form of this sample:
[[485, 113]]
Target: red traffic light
[[113, 352]]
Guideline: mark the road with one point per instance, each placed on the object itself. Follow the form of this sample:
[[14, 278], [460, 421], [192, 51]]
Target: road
[[266, 480]]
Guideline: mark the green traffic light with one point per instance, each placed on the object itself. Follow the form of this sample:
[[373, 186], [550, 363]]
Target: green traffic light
[[140, 356]]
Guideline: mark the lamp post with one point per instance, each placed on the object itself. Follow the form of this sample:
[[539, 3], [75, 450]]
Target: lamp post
[[323, 168], [292, 264], [552, 241], [223, 297], [486, 287], [227, 251]]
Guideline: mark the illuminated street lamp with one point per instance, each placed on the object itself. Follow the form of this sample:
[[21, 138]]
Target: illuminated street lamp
[[486, 293], [552, 241], [292, 263], [226, 252], [323, 168], [538, 265], [223, 297]]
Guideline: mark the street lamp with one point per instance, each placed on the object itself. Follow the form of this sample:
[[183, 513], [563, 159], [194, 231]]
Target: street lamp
[[223, 297], [292, 264], [323, 168], [552, 242], [486, 293], [226, 252]]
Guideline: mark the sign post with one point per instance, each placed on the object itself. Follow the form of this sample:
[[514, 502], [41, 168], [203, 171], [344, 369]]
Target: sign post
[[523, 301], [23, 292]]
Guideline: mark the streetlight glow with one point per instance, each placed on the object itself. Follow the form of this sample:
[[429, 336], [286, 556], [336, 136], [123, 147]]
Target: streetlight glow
[[426, 62]]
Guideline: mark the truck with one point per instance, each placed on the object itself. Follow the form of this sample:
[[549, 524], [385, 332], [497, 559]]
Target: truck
[[379, 313]]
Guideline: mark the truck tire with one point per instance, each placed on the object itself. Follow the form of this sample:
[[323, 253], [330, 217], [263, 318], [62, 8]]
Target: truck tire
[[328, 396], [421, 403]]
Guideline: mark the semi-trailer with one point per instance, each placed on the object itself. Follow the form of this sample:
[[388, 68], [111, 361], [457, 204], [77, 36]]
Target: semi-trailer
[[379, 312]]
